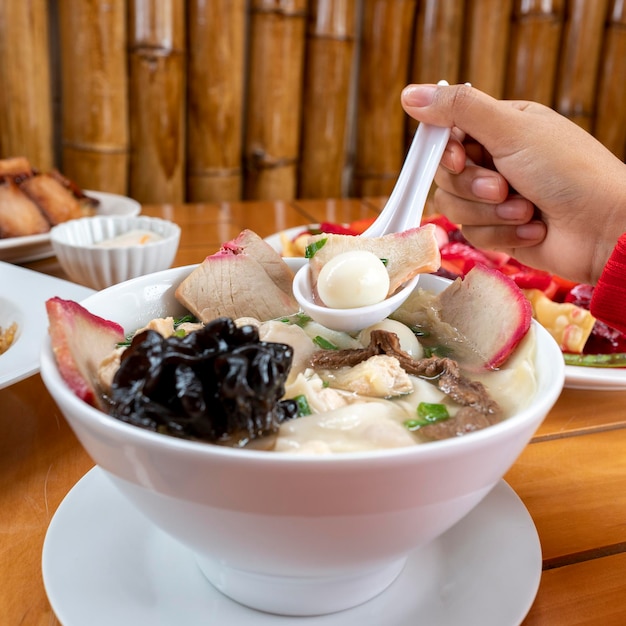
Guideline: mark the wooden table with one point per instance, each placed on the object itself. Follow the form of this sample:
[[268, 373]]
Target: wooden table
[[572, 476]]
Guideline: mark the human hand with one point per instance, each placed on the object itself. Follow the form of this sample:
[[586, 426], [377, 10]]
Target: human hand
[[524, 179]]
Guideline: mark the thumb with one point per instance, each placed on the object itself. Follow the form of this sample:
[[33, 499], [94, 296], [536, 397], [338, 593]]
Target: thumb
[[474, 112]]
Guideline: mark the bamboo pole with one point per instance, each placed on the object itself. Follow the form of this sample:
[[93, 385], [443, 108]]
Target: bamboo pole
[[534, 50], [95, 138], [330, 64], [486, 40], [385, 54], [437, 41], [26, 127], [274, 97], [215, 78], [580, 56], [437, 44], [157, 100], [610, 117]]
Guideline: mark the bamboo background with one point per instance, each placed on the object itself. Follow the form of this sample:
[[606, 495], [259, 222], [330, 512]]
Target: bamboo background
[[221, 100]]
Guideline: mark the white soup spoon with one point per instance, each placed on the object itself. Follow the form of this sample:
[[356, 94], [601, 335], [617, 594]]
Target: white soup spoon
[[403, 211]]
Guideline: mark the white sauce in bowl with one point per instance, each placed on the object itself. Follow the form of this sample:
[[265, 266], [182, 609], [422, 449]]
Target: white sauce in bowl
[[135, 237]]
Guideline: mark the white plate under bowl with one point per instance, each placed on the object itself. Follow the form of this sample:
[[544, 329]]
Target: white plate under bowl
[[34, 247], [104, 563], [23, 294]]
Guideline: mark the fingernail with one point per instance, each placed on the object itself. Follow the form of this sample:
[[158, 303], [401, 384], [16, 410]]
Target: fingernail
[[419, 95], [486, 188], [532, 231]]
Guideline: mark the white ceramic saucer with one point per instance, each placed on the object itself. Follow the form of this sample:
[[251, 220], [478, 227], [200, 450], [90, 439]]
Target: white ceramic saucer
[[104, 563]]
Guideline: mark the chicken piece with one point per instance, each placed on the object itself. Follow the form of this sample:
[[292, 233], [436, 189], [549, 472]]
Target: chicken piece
[[246, 278], [57, 203], [88, 204], [381, 376], [15, 166], [292, 335], [107, 369], [19, 216], [320, 397]]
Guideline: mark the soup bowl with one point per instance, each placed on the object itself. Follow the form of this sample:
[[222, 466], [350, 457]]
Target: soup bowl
[[287, 533]]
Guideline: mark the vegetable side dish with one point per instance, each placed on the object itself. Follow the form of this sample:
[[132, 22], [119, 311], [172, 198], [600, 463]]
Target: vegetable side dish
[[243, 378]]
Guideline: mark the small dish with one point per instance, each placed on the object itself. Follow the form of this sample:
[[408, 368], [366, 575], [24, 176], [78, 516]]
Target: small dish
[[91, 254], [35, 247], [22, 301]]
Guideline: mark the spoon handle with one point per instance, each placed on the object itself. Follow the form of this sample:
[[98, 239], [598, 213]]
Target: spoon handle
[[405, 206]]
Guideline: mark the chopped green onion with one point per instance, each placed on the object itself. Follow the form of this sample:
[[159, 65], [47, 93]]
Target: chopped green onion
[[428, 413], [385, 262], [324, 343], [185, 319], [297, 319], [312, 248], [303, 405], [177, 332], [440, 351]]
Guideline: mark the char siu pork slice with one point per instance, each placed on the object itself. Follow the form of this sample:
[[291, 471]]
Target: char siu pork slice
[[405, 254], [248, 242], [246, 278]]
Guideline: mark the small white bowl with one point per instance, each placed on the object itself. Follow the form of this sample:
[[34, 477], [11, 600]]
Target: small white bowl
[[77, 245]]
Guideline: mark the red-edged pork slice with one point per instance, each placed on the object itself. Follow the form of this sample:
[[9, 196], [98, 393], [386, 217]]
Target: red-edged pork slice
[[406, 254], [490, 310], [248, 242], [246, 278], [80, 341]]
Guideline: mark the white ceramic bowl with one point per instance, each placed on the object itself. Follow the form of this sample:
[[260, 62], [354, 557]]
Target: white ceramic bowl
[[75, 244], [285, 533]]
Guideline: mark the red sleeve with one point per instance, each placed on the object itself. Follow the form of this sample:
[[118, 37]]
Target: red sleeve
[[608, 302]]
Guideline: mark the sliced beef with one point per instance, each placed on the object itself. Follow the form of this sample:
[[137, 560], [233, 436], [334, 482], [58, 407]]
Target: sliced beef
[[467, 420], [478, 408]]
